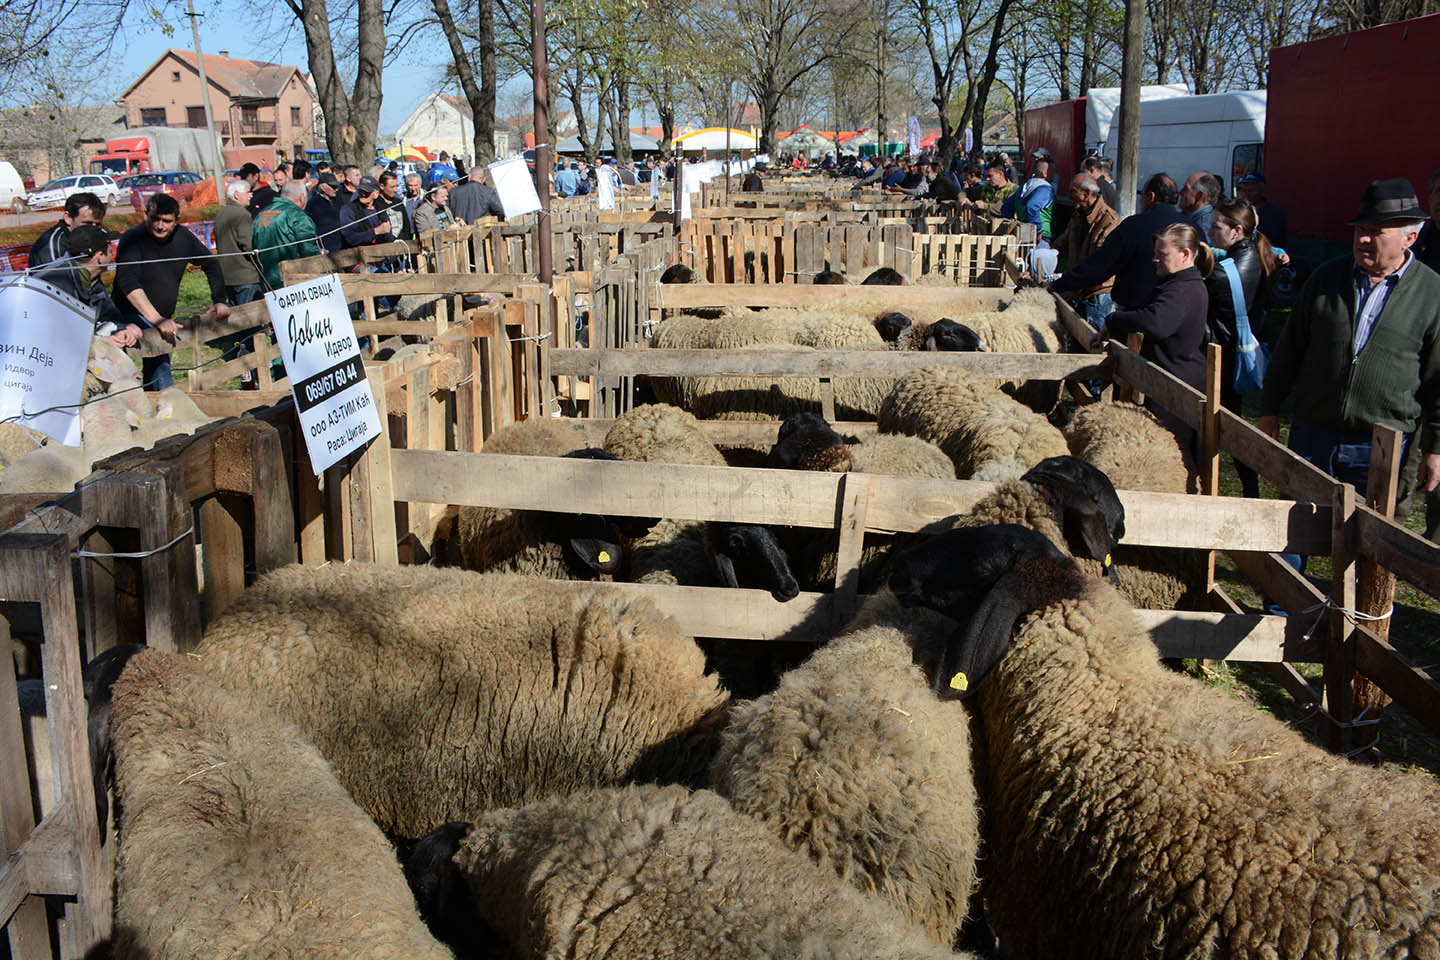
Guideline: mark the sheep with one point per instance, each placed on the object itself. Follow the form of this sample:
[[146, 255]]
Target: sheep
[[776, 328], [17, 441], [236, 838], [883, 277], [855, 763], [657, 872], [828, 277], [687, 552], [55, 468], [545, 544], [892, 326], [1137, 453], [901, 456], [677, 273], [1132, 811], [987, 435], [438, 694]]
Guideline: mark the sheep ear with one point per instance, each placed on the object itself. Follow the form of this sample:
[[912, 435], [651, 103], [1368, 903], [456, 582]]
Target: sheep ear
[[978, 647], [726, 569], [99, 678], [1086, 532], [596, 554]]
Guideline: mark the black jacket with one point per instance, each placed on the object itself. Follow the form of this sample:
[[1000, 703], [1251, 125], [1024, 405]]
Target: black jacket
[[1173, 322], [1221, 323], [1427, 246], [1108, 194], [1127, 255]]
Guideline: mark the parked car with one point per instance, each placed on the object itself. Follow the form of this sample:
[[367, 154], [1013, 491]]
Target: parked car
[[12, 187], [57, 191], [180, 184]]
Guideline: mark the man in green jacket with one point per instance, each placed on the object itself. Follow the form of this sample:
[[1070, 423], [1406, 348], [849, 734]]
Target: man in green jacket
[[284, 231], [1363, 346]]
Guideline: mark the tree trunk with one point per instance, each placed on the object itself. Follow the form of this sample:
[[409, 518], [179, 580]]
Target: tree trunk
[[987, 72], [573, 91], [480, 96], [350, 120], [619, 119]]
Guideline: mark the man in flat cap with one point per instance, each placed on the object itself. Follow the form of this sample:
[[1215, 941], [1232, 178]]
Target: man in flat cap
[[1363, 346]]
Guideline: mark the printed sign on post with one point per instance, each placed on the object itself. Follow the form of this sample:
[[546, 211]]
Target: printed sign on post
[[322, 359], [44, 345], [516, 187]]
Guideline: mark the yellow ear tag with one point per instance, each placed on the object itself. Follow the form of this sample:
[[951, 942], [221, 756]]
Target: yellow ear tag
[[604, 556], [960, 682], [1107, 559]]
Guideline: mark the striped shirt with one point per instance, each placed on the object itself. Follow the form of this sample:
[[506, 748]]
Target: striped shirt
[[1370, 300]]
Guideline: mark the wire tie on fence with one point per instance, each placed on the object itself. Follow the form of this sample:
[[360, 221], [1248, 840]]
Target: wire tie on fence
[[1354, 616], [538, 336], [135, 555]]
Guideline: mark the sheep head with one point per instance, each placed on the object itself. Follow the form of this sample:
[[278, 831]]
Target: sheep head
[[1088, 510], [748, 555], [987, 578]]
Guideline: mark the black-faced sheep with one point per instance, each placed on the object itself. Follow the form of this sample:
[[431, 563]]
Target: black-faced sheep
[[677, 273], [235, 838], [892, 325], [829, 277], [438, 694], [687, 552], [987, 435], [1130, 811], [660, 872], [855, 763], [883, 277], [560, 546]]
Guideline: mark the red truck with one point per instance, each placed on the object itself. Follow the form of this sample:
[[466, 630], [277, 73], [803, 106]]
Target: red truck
[[1346, 110]]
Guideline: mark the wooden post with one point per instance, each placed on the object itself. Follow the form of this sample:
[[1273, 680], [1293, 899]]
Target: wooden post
[[28, 930], [1210, 445], [1376, 590], [853, 506], [1340, 645]]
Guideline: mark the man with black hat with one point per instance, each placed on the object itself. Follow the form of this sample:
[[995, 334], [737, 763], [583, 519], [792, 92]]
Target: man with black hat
[[321, 208], [1363, 346], [88, 254]]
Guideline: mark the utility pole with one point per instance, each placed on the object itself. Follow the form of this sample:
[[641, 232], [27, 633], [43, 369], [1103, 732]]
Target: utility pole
[[544, 237], [215, 169], [1129, 140], [880, 82]]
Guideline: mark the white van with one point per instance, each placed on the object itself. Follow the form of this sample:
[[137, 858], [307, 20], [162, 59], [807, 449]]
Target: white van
[[12, 188], [1222, 133]]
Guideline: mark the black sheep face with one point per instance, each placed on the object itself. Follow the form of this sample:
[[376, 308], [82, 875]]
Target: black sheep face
[[806, 441], [678, 273], [99, 678], [884, 277], [748, 555], [946, 334], [445, 902], [1089, 511], [891, 325], [828, 277], [986, 578]]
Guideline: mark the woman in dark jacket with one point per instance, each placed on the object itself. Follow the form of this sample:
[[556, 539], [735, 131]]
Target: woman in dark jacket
[[1172, 321], [1232, 229]]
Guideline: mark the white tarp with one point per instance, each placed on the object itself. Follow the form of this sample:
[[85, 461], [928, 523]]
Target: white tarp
[[517, 190], [44, 345]]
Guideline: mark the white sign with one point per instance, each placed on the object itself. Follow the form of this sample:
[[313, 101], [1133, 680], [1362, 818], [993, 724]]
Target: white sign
[[44, 345], [605, 184], [322, 359], [516, 188]]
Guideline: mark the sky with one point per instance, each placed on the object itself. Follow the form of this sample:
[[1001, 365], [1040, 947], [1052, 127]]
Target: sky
[[405, 84]]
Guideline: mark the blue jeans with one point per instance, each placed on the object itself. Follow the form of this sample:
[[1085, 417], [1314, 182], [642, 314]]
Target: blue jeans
[[154, 371], [1345, 456], [1095, 309]]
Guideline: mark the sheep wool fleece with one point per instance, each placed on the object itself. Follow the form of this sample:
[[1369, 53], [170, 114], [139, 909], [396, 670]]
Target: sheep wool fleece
[[1135, 812], [663, 873], [855, 763], [438, 694], [236, 840]]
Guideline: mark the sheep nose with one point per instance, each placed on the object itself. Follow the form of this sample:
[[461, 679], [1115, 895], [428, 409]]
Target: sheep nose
[[787, 590]]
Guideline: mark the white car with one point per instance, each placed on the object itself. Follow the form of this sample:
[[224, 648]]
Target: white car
[[55, 193]]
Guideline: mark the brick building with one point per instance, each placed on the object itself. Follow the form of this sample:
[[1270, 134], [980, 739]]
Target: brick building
[[255, 104]]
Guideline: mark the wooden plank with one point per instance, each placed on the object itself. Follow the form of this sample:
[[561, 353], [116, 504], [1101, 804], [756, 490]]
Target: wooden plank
[[1409, 555], [222, 540], [381, 497], [1210, 444], [37, 569], [854, 505], [818, 363], [686, 296], [799, 498], [1375, 586], [24, 920], [722, 433], [1411, 687], [1292, 474], [1339, 645]]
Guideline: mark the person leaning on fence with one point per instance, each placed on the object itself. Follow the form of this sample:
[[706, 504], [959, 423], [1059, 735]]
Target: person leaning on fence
[[1090, 225], [1362, 346], [322, 210], [1128, 254], [475, 199], [80, 209], [432, 213], [149, 265], [283, 231], [87, 255]]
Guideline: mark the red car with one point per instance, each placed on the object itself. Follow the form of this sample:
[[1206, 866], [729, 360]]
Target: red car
[[180, 184]]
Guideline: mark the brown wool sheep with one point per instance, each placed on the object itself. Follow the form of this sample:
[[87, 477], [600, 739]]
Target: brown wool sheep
[[438, 694], [987, 435], [660, 872], [1134, 812], [855, 763], [235, 837]]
